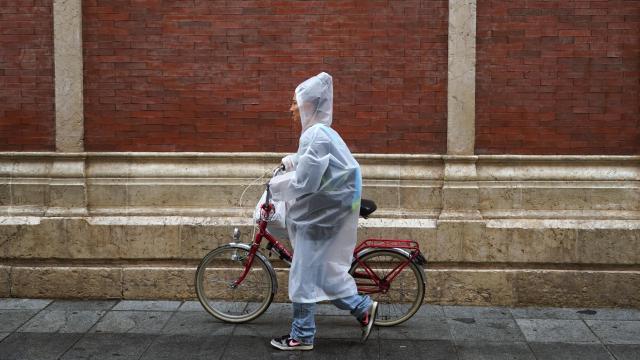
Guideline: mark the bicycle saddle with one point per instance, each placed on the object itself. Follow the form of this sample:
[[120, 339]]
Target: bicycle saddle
[[367, 207]]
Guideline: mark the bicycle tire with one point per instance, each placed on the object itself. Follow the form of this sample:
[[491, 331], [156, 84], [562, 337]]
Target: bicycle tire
[[392, 310], [215, 275]]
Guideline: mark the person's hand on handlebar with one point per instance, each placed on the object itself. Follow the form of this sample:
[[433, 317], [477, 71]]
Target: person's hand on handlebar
[[288, 163]]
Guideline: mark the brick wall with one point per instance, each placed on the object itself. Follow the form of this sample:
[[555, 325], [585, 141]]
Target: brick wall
[[219, 75], [558, 77], [26, 76]]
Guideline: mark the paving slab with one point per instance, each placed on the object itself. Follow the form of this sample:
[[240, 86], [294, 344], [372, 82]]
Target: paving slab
[[191, 347], [342, 349], [196, 323], [550, 330], [31, 346], [616, 332], [338, 327], [142, 305], [62, 321], [491, 330], [477, 312], [428, 311], [109, 347], [264, 327], [23, 304], [10, 320], [148, 322], [566, 351], [248, 347], [609, 314], [625, 352], [82, 305], [227, 306], [421, 329], [4, 335], [545, 313], [494, 351], [411, 350], [191, 305]]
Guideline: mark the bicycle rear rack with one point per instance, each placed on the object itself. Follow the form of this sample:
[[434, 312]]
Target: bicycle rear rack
[[388, 244]]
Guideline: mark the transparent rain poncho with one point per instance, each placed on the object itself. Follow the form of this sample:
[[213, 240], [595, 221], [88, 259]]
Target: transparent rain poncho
[[324, 200]]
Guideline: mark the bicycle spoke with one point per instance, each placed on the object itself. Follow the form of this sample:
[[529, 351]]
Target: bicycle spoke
[[405, 292], [223, 294]]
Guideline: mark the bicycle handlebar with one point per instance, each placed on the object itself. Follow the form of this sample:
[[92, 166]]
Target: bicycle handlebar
[[276, 172]]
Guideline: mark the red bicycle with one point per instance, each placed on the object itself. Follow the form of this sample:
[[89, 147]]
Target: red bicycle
[[236, 282]]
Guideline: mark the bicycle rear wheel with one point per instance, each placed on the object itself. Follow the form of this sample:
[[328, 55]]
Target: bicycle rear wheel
[[215, 288], [405, 293]]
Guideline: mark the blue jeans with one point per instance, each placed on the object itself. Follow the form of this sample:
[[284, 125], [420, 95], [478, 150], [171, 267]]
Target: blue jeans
[[303, 327]]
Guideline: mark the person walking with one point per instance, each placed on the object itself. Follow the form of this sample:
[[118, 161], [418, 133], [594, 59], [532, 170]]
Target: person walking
[[323, 197]]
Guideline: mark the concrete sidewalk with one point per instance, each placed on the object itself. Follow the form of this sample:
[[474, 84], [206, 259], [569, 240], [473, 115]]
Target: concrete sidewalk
[[61, 329]]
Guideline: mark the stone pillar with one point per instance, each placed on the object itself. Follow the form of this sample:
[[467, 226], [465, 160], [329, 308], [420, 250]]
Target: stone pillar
[[460, 190], [67, 44], [67, 193], [461, 85]]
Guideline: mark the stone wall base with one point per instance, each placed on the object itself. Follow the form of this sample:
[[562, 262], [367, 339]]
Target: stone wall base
[[506, 287], [498, 230]]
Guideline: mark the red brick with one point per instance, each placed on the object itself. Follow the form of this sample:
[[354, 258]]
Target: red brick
[[26, 76], [208, 75], [581, 93]]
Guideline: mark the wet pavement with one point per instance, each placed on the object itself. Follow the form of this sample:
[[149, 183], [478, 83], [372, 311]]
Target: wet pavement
[[112, 329]]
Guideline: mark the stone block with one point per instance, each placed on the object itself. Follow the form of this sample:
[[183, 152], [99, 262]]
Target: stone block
[[29, 193], [66, 282], [197, 240], [423, 231], [555, 197], [158, 283], [8, 235], [448, 244], [151, 241], [177, 194], [499, 198], [620, 197], [85, 240], [106, 195], [5, 281], [5, 193], [459, 196], [518, 244], [43, 239], [66, 196], [469, 287], [573, 288], [609, 246], [420, 197]]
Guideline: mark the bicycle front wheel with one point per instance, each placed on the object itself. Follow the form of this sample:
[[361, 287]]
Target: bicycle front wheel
[[398, 298], [221, 297]]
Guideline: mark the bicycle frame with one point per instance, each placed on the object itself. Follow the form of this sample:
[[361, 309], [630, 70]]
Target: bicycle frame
[[410, 247]]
